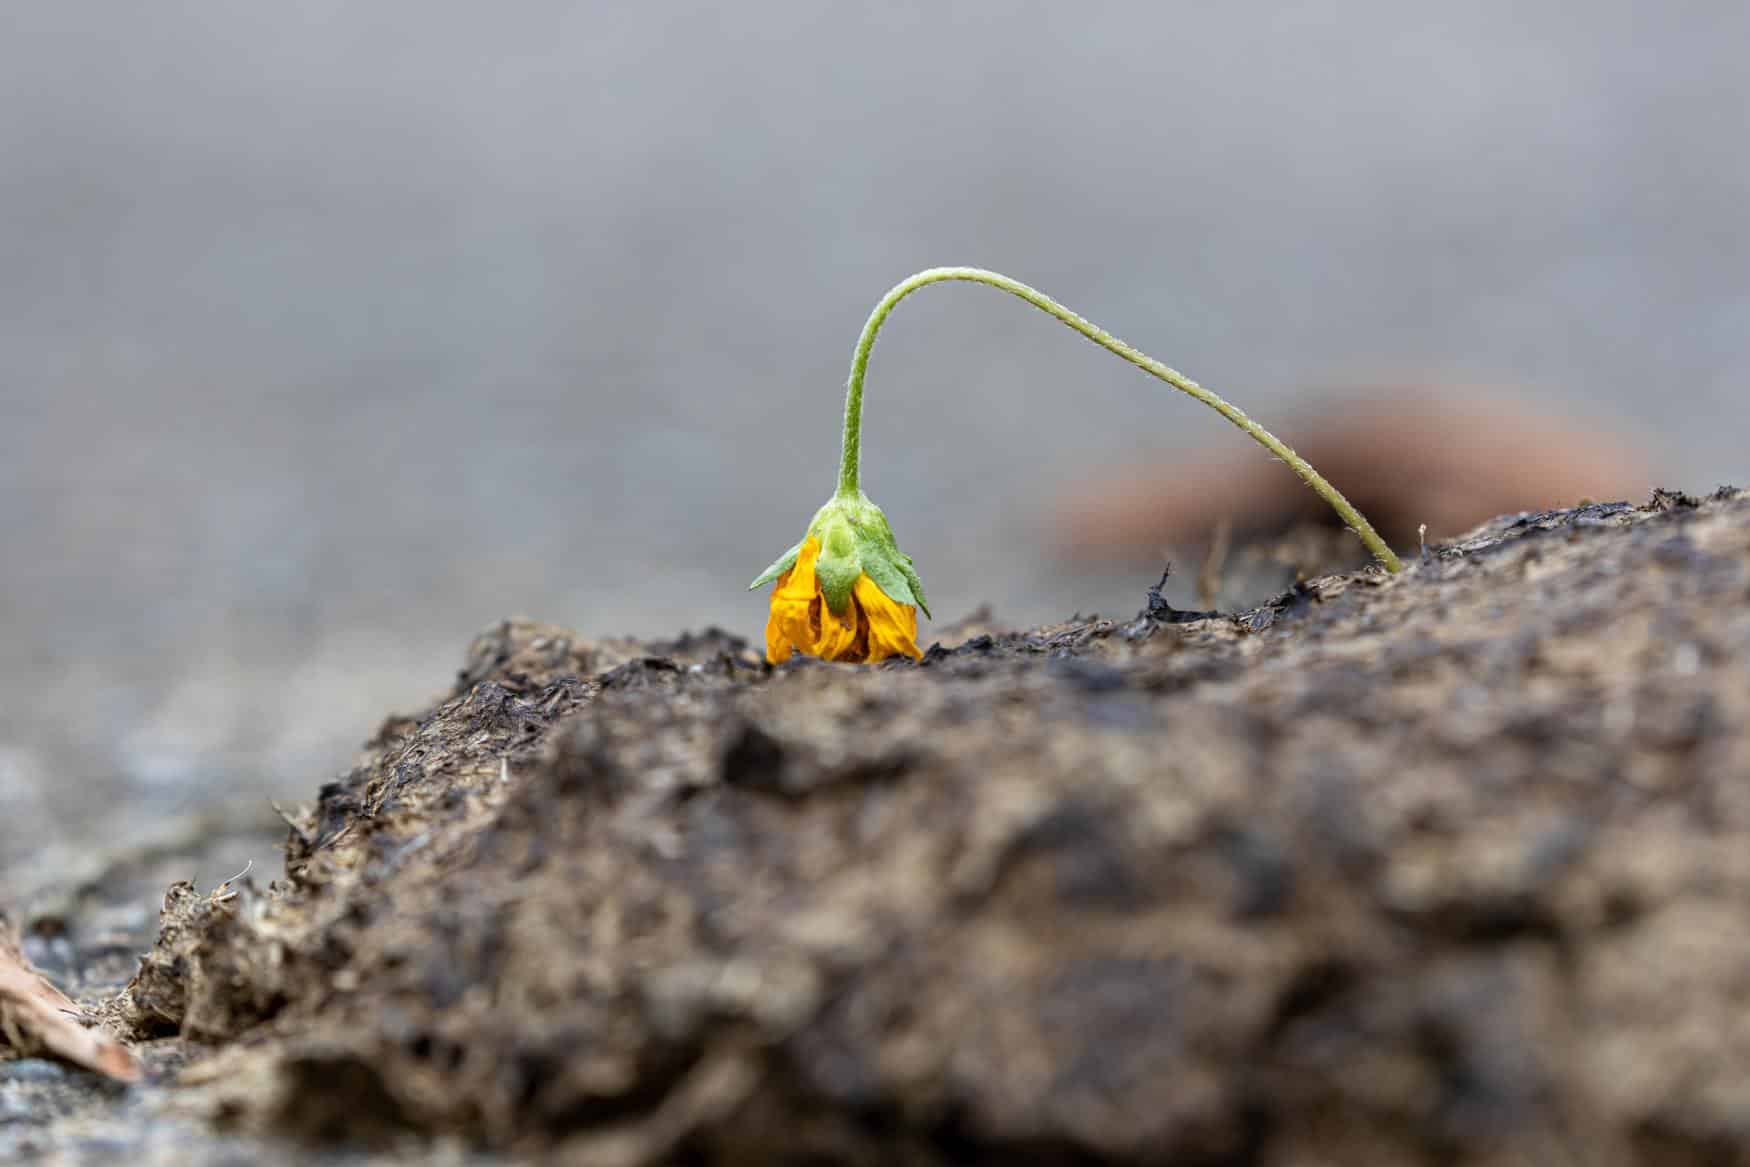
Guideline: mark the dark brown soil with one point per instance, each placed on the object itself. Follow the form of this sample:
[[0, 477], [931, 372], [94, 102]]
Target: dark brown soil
[[1445, 868]]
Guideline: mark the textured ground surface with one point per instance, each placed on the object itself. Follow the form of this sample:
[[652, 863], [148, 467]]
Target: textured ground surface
[[1451, 868]]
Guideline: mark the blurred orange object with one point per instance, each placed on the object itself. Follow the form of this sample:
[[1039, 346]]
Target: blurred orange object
[[1404, 458]]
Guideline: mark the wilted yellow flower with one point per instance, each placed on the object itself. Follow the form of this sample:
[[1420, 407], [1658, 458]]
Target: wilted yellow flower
[[844, 593], [871, 628]]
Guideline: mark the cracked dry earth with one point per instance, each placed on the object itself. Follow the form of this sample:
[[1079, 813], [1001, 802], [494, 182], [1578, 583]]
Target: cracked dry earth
[[1445, 868]]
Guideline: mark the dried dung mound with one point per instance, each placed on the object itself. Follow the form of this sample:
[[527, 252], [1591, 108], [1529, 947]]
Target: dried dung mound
[[1451, 867]]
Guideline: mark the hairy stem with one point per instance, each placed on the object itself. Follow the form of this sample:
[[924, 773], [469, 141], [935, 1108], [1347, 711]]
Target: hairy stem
[[849, 480]]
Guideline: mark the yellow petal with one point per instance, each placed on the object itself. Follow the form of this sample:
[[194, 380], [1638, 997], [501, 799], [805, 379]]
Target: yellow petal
[[892, 627], [789, 625], [778, 648], [837, 634]]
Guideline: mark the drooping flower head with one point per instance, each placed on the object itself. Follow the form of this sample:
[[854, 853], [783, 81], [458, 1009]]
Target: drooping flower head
[[845, 592]]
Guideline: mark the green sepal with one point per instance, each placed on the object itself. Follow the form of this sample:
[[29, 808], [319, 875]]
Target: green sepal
[[841, 561], [855, 540], [890, 578], [784, 563], [917, 585]]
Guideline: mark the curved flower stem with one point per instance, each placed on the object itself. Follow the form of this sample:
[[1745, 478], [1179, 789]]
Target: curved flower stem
[[849, 485]]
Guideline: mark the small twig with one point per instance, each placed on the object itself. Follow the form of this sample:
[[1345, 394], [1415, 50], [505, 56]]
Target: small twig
[[36, 1017], [223, 893], [290, 822], [1158, 610], [1209, 575]]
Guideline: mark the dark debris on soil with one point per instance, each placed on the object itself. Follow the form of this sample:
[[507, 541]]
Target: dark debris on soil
[[1451, 867]]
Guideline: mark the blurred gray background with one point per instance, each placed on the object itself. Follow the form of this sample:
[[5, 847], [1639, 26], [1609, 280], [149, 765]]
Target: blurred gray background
[[331, 333]]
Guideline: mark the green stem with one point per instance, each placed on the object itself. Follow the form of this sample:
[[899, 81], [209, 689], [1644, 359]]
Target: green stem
[[849, 485]]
